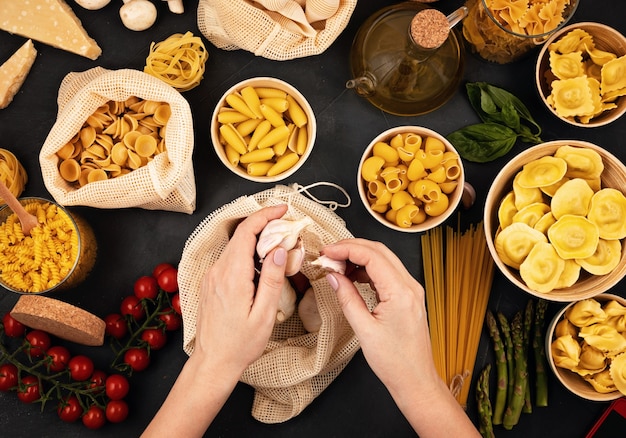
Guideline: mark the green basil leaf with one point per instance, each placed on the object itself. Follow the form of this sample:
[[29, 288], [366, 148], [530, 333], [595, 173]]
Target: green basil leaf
[[483, 142], [510, 117]]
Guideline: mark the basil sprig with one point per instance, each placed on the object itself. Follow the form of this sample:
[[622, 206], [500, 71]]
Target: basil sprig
[[505, 119]]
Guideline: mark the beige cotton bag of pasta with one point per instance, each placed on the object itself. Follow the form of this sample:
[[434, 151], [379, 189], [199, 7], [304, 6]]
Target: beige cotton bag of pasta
[[296, 365], [274, 29], [156, 181]]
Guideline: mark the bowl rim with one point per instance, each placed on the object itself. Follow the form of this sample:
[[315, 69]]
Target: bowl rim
[[543, 61], [498, 187], [559, 372], [432, 221], [291, 90]]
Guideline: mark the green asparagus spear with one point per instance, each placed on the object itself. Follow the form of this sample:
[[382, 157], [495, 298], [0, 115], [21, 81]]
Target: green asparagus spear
[[528, 323], [484, 404], [514, 409], [508, 344], [501, 368], [541, 376]]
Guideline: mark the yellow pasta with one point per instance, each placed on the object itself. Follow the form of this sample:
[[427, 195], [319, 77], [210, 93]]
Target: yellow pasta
[[257, 155], [276, 135], [230, 117], [273, 116], [12, 173], [233, 138], [283, 163], [259, 168], [251, 98]]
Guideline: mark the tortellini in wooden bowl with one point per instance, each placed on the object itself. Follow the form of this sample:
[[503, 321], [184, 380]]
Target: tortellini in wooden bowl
[[586, 347], [580, 74], [555, 220], [410, 178]]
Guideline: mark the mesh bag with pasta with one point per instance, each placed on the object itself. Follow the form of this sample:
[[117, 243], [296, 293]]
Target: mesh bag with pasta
[[296, 365], [166, 182], [274, 29]]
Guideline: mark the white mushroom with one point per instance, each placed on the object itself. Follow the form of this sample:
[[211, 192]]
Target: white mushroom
[[175, 6], [93, 5], [138, 15]]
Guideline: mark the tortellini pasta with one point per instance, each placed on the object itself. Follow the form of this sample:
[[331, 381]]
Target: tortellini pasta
[[558, 202], [584, 80], [409, 178], [590, 341]]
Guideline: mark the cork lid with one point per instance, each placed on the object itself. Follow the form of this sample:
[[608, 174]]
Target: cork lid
[[430, 28]]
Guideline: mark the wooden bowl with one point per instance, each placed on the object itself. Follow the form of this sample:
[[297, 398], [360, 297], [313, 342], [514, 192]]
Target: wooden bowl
[[431, 221], [588, 285], [569, 379], [268, 82], [605, 38]]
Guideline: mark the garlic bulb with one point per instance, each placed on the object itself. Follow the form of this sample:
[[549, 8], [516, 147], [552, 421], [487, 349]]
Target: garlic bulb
[[286, 303], [329, 264], [280, 232], [308, 312]]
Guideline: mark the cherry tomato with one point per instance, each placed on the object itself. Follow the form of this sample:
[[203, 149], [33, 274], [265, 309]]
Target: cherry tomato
[[137, 358], [69, 409], [59, 358], [146, 287], [81, 368], [115, 325], [98, 379], [8, 377], [168, 280], [39, 342], [116, 411], [29, 390], [160, 268], [117, 386], [171, 319], [94, 418], [131, 305], [12, 327], [156, 338], [176, 303]]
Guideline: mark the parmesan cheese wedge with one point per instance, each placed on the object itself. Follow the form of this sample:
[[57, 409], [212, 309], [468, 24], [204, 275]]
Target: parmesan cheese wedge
[[14, 71], [51, 22]]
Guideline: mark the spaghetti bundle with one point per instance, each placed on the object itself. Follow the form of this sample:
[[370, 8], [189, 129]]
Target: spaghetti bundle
[[458, 273]]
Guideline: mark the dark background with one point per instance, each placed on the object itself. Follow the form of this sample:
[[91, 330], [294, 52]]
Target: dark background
[[132, 241]]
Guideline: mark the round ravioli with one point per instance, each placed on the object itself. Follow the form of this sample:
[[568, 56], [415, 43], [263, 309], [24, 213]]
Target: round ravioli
[[542, 268], [570, 274], [514, 243], [581, 162], [551, 189], [608, 211], [606, 258], [525, 195], [532, 213], [574, 237], [573, 197], [541, 172], [507, 210]]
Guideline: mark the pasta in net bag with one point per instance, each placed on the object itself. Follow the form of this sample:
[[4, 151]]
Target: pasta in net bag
[[277, 30], [296, 366], [165, 183]]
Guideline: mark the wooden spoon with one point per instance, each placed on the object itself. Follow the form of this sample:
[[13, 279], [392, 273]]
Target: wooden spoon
[[27, 220]]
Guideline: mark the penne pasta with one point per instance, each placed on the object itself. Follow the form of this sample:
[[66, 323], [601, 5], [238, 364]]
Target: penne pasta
[[296, 113]]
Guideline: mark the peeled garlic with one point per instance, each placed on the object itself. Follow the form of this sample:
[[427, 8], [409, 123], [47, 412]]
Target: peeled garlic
[[280, 232], [329, 264], [295, 257], [308, 312], [287, 303]]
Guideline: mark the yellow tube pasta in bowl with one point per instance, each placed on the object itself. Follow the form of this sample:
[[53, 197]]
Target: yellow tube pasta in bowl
[[263, 129], [410, 178]]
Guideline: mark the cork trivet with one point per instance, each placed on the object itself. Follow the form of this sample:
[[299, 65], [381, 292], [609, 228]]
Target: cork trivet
[[60, 319]]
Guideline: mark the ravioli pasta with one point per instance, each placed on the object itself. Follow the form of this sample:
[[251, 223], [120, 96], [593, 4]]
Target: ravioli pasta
[[12, 173]]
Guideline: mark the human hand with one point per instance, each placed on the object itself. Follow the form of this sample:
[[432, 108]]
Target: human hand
[[235, 317]]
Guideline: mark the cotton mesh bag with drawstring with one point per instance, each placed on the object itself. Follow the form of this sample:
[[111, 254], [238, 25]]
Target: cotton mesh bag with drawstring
[[165, 183], [274, 29], [296, 365]]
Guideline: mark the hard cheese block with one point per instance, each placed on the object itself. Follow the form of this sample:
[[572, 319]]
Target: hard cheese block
[[49, 21], [14, 71]]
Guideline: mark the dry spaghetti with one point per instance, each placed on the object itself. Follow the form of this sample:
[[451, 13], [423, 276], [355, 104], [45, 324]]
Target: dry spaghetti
[[458, 273]]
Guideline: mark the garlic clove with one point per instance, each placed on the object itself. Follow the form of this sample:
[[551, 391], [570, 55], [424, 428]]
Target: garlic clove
[[280, 232], [329, 264], [286, 303], [295, 258], [309, 312]]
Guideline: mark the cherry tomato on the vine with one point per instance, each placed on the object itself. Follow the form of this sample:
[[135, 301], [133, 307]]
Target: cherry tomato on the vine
[[59, 358], [12, 327], [116, 411], [8, 377], [98, 379], [69, 409], [176, 303], [94, 418], [155, 337], [168, 280], [171, 319], [117, 386], [29, 389], [131, 305], [81, 368], [115, 325], [39, 342], [160, 268], [137, 358], [146, 287]]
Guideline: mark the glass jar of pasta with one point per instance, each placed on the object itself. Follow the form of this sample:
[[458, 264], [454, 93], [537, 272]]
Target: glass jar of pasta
[[59, 253], [504, 31]]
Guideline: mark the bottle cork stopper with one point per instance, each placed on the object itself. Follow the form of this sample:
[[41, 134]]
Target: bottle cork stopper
[[430, 28]]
